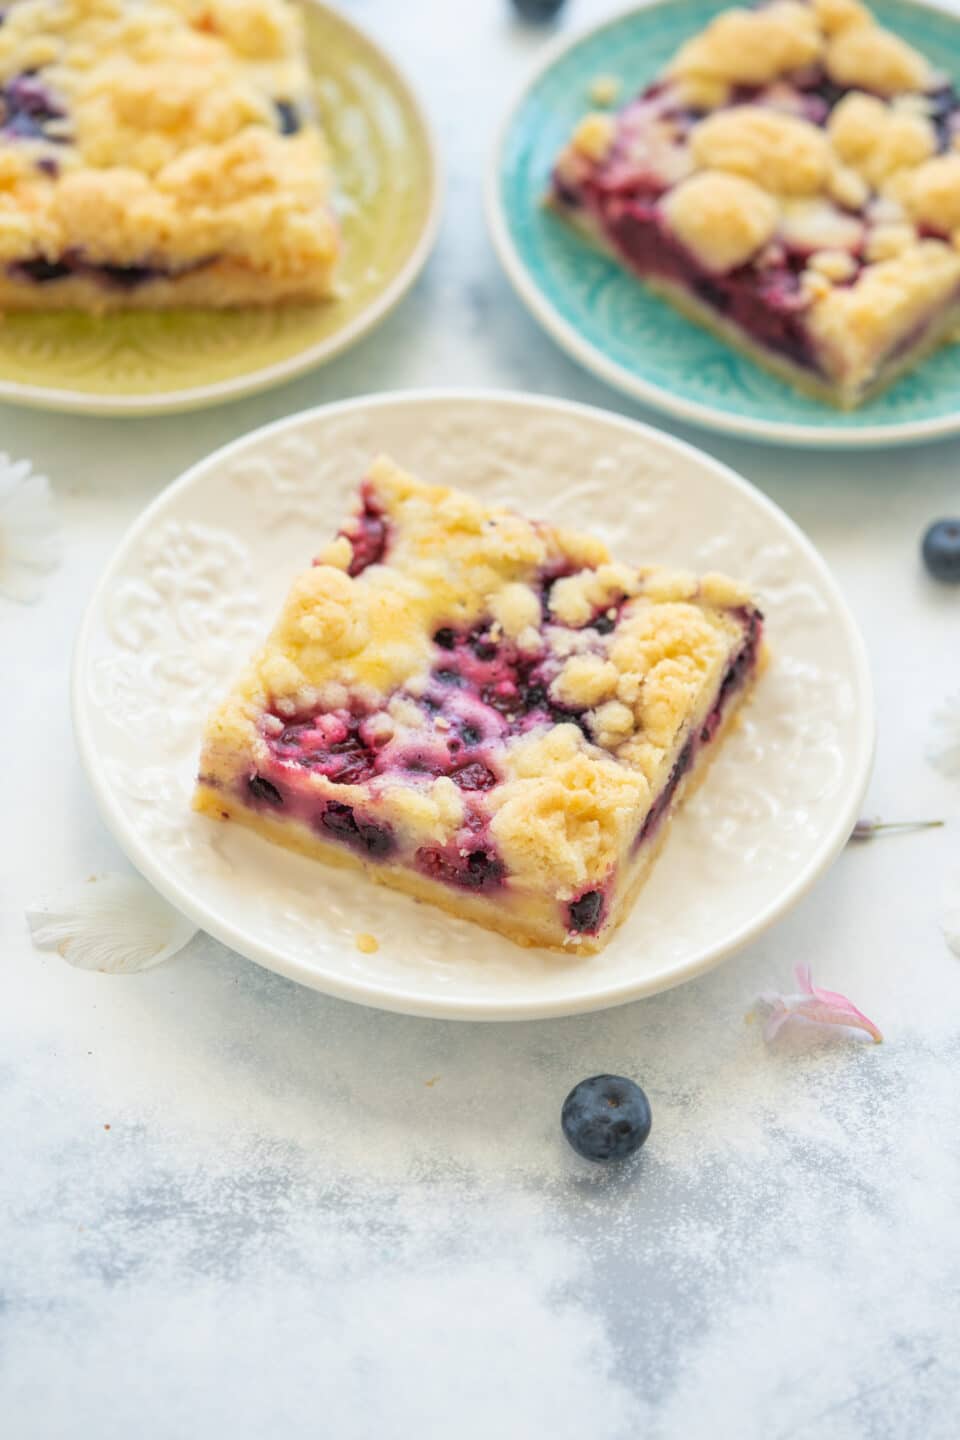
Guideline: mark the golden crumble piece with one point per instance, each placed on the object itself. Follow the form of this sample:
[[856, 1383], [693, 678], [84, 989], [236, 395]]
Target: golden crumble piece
[[752, 47], [722, 219], [780, 152], [483, 711]]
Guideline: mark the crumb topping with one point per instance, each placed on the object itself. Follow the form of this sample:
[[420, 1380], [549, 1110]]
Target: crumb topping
[[876, 139], [723, 219], [777, 151], [871, 58], [889, 299], [594, 135], [753, 47], [931, 193], [174, 132]]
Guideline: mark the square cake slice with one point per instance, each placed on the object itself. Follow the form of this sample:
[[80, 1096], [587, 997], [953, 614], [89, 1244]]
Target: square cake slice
[[792, 182], [480, 710], [159, 153]]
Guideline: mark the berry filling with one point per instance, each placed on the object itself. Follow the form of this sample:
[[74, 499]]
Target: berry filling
[[124, 277], [331, 744], [265, 790], [373, 840], [508, 689], [767, 304], [470, 870], [735, 677], [27, 107], [662, 803], [367, 533]]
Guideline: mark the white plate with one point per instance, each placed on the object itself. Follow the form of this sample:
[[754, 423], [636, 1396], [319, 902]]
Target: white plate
[[202, 572]]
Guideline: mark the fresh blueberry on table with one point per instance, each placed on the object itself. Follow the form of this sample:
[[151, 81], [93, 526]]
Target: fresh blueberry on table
[[941, 550], [538, 10], [606, 1117]]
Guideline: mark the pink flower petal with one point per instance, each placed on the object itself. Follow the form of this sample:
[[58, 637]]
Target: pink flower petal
[[816, 1006], [803, 977]]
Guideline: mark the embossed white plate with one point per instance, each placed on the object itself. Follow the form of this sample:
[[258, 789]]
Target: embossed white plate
[[202, 573]]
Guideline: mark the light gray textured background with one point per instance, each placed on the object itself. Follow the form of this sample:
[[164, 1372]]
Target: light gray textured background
[[307, 1219]]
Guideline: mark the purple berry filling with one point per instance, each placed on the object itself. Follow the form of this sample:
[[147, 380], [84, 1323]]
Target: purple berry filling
[[125, 277], [367, 533], [474, 776], [510, 687], [476, 870], [768, 304], [27, 107], [736, 675], [265, 790], [662, 803], [40, 272], [373, 840], [331, 745]]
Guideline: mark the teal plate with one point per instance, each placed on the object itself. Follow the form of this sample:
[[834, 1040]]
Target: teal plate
[[611, 324]]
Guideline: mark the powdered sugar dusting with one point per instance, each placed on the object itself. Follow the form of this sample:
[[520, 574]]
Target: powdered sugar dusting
[[404, 1187]]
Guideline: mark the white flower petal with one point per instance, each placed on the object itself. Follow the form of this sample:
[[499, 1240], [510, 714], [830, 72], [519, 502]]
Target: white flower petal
[[943, 752], [950, 914], [116, 923], [29, 532], [950, 925]]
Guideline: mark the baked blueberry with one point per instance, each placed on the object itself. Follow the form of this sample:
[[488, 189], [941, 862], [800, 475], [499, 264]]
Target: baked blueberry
[[585, 913]]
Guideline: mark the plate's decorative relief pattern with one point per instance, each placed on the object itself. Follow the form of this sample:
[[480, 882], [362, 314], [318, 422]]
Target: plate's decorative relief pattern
[[647, 340], [181, 612], [175, 625], [384, 200]]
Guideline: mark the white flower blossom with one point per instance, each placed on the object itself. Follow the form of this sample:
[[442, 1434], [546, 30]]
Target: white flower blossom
[[29, 532], [943, 752], [114, 923], [950, 915]]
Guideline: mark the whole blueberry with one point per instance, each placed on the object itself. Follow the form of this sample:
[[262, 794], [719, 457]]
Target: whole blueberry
[[941, 550], [538, 10], [606, 1117]]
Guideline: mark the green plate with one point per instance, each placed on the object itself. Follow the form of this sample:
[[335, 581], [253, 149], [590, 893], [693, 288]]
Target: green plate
[[388, 202], [613, 324]]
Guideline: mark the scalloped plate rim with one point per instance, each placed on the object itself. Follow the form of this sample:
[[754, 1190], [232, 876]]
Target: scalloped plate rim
[[566, 335], [439, 1006], [197, 397]]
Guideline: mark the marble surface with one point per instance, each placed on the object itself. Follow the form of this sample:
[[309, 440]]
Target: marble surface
[[232, 1207]]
